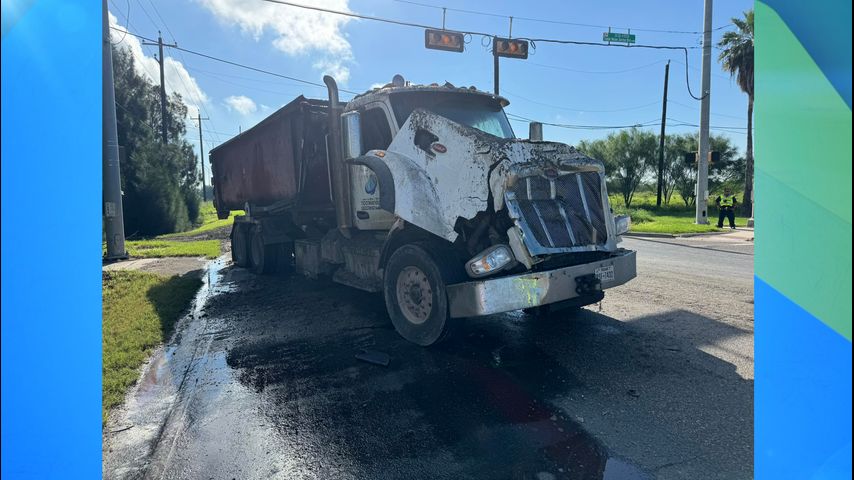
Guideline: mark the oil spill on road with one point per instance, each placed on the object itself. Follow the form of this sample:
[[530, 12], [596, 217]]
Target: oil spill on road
[[474, 407]]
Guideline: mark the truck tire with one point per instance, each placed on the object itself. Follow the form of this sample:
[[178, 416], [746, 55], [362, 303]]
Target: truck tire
[[264, 257], [415, 295], [240, 246]]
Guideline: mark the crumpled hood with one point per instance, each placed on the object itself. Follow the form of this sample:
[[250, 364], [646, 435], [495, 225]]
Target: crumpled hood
[[443, 170]]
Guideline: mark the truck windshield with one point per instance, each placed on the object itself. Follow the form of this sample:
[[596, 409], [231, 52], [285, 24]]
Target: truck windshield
[[476, 111]]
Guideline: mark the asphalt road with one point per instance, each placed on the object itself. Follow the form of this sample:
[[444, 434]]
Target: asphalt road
[[261, 381]]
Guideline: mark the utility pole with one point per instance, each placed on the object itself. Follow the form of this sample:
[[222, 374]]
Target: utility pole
[[661, 141], [702, 216], [163, 125], [202, 156], [495, 72], [114, 222]]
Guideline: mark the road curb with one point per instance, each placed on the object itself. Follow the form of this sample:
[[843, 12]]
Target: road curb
[[649, 234]]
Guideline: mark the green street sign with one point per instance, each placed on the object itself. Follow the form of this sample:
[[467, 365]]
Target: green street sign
[[618, 37]]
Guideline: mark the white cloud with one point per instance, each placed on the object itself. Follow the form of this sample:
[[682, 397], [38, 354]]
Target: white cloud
[[177, 78], [241, 104], [297, 31]]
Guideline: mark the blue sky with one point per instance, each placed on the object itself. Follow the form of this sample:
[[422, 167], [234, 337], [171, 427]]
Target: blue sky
[[568, 84]]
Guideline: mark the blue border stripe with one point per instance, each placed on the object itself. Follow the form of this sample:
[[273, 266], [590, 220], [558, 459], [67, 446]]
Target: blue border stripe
[[802, 392], [51, 192]]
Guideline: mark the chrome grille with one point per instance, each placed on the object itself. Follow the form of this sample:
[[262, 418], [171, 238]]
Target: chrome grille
[[563, 212]]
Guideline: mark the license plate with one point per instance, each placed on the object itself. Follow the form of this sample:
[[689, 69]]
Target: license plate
[[605, 274]]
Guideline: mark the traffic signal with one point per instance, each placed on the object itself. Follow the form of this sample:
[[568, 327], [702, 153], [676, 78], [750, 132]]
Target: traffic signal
[[444, 40], [690, 158], [714, 157], [509, 47]]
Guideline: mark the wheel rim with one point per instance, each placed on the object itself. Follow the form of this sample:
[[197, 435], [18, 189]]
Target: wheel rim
[[414, 294]]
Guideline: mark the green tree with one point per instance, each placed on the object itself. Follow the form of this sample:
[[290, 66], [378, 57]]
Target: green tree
[[159, 181], [737, 57], [628, 156]]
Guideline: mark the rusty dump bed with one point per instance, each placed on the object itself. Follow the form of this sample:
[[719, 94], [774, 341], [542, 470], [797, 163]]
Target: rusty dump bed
[[281, 160]]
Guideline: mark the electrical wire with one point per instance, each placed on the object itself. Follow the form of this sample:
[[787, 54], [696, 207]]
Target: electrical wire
[[533, 41], [585, 127], [127, 21], [598, 72], [657, 102], [236, 64], [557, 22]]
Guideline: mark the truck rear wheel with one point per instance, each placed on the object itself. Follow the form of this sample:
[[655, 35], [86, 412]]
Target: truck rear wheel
[[240, 246], [415, 295], [264, 257]]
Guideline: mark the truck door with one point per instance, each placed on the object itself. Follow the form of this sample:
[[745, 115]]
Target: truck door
[[376, 135]]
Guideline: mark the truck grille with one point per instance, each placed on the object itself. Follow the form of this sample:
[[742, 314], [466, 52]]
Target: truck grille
[[563, 212]]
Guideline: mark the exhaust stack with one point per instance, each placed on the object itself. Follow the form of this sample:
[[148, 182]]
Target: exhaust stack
[[340, 173]]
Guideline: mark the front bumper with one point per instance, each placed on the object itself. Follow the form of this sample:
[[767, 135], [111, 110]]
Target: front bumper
[[503, 294]]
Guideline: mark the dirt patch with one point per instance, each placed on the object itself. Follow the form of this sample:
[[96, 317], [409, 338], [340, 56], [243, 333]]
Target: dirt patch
[[168, 266]]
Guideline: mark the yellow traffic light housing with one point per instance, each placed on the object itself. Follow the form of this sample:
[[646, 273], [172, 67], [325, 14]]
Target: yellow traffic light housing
[[444, 40], [509, 47]]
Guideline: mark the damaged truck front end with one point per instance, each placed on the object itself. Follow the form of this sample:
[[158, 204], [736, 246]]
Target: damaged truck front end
[[530, 220]]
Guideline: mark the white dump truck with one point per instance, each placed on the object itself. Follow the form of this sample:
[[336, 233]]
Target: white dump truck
[[423, 193]]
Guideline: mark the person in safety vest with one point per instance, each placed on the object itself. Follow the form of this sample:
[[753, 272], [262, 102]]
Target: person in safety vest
[[726, 207]]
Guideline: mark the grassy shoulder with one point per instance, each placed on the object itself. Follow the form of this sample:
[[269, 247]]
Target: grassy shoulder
[[207, 221], [173, 248], [184, 244], [673, 218], [139, 312]]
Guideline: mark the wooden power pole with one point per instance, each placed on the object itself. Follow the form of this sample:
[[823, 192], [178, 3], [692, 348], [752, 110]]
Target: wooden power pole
[[163, 124], [661, 140]]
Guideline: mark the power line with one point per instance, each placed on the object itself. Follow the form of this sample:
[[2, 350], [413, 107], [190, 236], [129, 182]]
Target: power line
[[586, 127], [127, 20], [236, 64], [200, 104], [688, 124], [488, 35], [598, 72], [153, 130], [557, 22], [142, 7], [695, 108], [657, 102]]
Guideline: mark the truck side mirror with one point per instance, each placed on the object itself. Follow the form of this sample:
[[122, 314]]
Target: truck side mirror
[[351, 133]]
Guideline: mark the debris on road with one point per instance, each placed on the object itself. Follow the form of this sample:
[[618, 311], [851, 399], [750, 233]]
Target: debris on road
[[375, 357]]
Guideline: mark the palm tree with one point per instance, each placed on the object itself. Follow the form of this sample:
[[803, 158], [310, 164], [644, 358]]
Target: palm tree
[[737, 58]]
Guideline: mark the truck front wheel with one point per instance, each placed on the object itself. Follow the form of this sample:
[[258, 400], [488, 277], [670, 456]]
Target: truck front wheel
[[415, 295]]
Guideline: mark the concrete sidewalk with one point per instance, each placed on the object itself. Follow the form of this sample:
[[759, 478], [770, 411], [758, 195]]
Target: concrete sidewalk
[[168, 266], [740, 234]]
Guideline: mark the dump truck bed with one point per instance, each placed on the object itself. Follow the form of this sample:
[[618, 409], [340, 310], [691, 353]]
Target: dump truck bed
[[281, 160]]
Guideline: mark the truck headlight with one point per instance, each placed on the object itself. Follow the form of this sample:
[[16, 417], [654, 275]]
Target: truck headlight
[[622, 223], [489, 261]]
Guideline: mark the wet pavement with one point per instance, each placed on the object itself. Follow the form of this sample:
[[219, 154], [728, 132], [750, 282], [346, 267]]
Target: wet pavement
[[262, 381]]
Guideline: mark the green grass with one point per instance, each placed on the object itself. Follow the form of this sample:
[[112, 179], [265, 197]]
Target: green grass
[[674, 218], [139, 312], [207, 221], [173, 248]]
